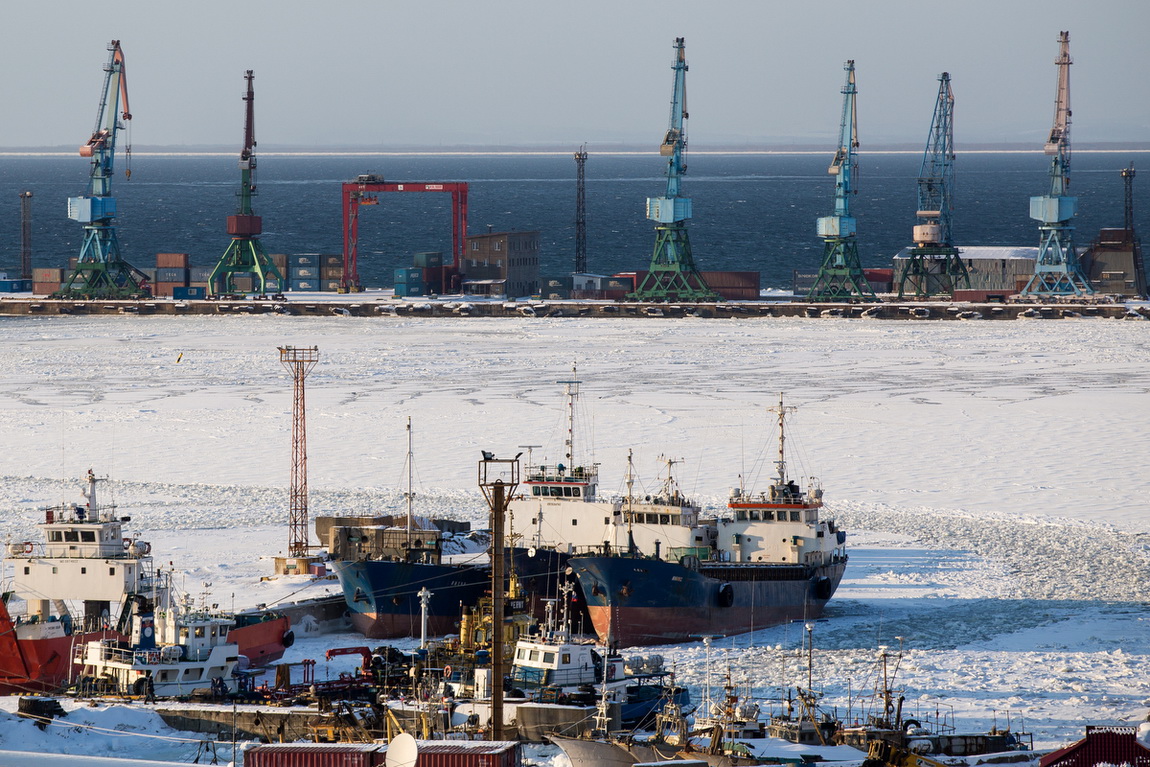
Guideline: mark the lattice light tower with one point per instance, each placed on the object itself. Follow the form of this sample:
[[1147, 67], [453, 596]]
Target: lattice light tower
[[672, 275], [25, 235], [245, 254], [581, 210], [299, 362], [932, 266], [841, 277], [100, 271], [1057, 272]]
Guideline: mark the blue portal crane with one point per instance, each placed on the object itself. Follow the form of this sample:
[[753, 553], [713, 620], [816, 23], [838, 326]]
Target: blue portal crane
[[840, 277], [245, 254], [100, 271], [1057, 272], [932, 266], [672, 275]]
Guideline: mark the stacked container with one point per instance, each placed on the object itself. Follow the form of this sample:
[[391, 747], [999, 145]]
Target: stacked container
[[409, 281], [46, 281], [303, 272]]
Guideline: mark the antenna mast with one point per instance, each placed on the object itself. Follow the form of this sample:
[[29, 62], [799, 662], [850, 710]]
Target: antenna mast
[[581, 210], [298, 361]]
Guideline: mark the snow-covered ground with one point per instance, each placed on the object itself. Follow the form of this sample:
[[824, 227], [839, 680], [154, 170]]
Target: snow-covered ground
[[993, 475]]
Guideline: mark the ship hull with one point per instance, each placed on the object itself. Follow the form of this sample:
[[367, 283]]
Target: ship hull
[[264, 639], [38, 665], [383, 596], [634, 601]]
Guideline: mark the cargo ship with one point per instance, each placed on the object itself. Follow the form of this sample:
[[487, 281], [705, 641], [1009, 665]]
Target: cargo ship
[[85, 560], [769, 559]]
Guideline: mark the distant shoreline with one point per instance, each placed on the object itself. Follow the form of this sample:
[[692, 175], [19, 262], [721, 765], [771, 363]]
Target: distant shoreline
[[553, 152]]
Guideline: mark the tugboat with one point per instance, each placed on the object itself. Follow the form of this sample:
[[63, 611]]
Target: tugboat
[[171, 652], [768, 560], [77, 586]]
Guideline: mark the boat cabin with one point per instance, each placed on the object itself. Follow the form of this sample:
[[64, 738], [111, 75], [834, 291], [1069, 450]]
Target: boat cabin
[[561, 664]]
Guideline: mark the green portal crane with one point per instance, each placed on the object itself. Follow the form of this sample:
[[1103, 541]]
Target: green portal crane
[[672, 275], [245, 255], [932, 266], [100, 271], [840, 277]]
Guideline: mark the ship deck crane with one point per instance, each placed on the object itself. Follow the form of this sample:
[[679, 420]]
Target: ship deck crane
[[933, 266], [840, 276], [245, 255], [673, 275], [1057, 272], [100, 270]]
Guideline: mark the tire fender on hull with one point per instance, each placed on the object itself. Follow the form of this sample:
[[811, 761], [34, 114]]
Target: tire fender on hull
[[822, 588], [725, 597]]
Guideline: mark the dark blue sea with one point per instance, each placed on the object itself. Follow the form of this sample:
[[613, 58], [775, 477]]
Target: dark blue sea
[[751, 212]]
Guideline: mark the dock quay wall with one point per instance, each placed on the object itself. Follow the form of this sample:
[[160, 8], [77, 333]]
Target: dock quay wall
[[446, 308]]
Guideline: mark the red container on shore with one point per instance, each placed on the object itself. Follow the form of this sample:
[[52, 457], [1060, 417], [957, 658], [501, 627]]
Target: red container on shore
[[171, 260]]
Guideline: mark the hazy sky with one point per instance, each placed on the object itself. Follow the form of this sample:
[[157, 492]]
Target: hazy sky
[[440, 73]]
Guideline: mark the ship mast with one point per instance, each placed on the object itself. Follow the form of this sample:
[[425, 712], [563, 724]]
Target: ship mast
[[571, 391], [781, 462], [409, 495]]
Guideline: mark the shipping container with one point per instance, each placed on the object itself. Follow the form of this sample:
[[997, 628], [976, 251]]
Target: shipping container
[[465, 753], [332, 260], [200, 273], [879, 275], [280, 260], [304, 273], [172, 261], [330, 286], [178, 275], [331, 272], [54, 274], [244, 282], [305, 259], [15, 286], [305, 285], [408, 274], [314, 755], [717, 280], [45, 288], [430, 259], [166, 288], [410, 289], [189, 293]]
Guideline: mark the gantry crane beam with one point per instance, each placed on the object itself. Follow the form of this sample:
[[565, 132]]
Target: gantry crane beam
[[840, 276], [933, 266], [673, 275], [1057, 271], [360, 191], [100, 270], [245, 254]]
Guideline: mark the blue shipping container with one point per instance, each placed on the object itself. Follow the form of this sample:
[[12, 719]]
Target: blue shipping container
[[169, 274], [305, 285], [304, 272], [189, 294], [408, 274], [405, 289], [309, 259], [200, 273], [430, 259]]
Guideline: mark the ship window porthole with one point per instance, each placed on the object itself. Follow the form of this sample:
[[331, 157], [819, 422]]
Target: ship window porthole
[[574, 522]]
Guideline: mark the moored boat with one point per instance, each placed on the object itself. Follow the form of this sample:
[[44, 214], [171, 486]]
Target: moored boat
[[769, 559]]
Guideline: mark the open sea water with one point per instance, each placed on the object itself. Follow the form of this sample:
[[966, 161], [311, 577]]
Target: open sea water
[[752, 212]]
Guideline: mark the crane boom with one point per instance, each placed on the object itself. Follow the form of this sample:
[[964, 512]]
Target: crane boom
[[1057, 270], [673, 207], [100, 271]]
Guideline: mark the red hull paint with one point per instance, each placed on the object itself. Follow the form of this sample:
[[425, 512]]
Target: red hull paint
[[374, 626], [637, 626], [38, 665], [262, 643]]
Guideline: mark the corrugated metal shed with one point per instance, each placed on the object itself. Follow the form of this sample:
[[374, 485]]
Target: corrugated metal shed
[[1102, 745]]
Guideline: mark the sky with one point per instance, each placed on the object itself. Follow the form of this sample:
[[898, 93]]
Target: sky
[[441, 73]]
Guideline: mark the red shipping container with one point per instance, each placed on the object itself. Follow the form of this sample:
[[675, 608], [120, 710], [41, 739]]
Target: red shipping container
[[314, 755], [45, 288], [171, 260], [718, 280], [464, 753], [879, 275], [165, 288]]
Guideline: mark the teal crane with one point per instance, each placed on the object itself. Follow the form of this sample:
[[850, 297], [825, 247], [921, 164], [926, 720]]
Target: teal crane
[[1057, 272], [933, 266], [672, 275], [100, 271], [840, 276], [245, 255]]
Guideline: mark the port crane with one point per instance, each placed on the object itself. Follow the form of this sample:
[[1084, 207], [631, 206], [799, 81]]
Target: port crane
[[672, 275], [840, 276], [245, 254], [100, 271], [1057, 272], [932, 266]]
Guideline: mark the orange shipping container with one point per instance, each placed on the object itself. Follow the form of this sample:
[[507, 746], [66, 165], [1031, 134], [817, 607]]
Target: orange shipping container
[[172, 260]]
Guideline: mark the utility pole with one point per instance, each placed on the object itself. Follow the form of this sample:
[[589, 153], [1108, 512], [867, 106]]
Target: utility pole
[[299, 362], [498, 479]]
